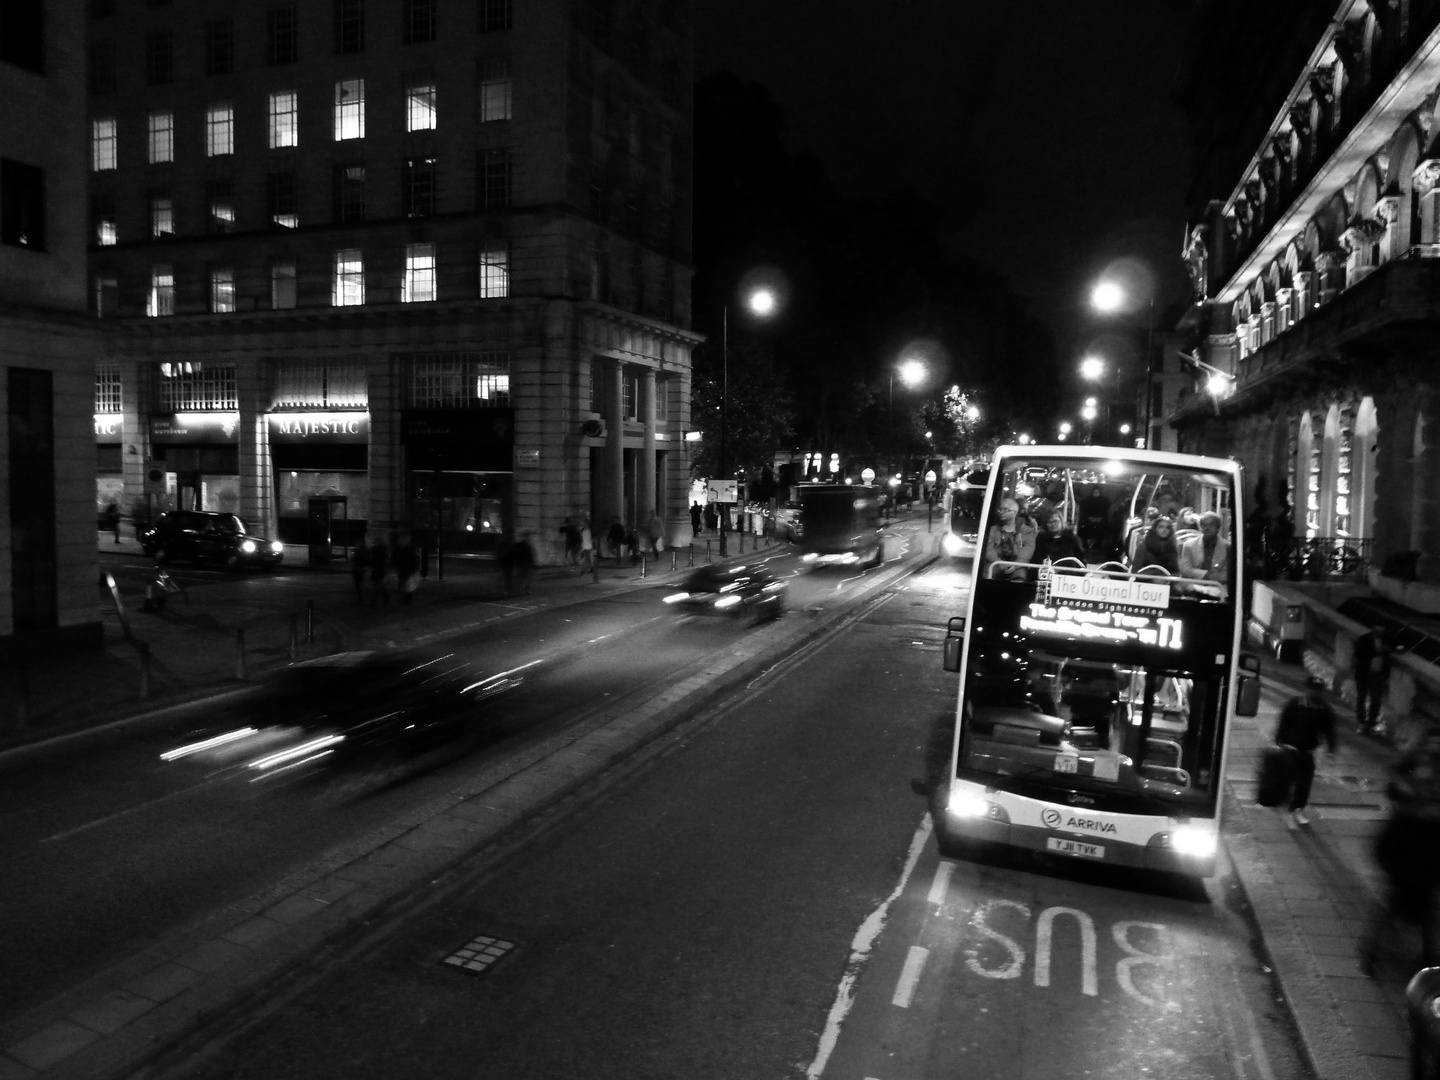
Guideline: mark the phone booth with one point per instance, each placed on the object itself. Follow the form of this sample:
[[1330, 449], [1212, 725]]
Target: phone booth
[[327, 527]]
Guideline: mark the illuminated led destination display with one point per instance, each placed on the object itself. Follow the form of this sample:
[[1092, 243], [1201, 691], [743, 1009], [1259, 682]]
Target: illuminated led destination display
[[1104, 609]]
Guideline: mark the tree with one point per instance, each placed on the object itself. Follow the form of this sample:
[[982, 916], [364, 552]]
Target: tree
[[758, 411]]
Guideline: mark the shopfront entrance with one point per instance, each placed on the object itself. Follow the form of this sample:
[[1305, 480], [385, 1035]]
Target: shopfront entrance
[[460, 488]]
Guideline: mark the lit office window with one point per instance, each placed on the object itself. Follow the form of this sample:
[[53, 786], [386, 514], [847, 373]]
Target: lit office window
[[284, 119], [222, 288], [162, 216], [348, 284], [495, 270], [102, 219], [103, 141], [161, 300], [419, 273], [162, 137], [420, 104], [219, 130], [349, 109], [282, 285], [495, 90]]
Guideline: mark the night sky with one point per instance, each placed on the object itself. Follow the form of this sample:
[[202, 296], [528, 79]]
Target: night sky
[[1046, 129]]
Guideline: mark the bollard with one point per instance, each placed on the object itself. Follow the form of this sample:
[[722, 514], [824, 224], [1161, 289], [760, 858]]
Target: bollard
[[707, 550], [643, 563], [310, 621], [673, 556], [144, 648], [595, 568], [294, 635], [240, 652], [691, 549]]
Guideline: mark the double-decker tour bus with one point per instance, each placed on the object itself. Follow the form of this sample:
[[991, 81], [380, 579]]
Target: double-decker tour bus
[[841, 524], [1096, 693], [962, 504]]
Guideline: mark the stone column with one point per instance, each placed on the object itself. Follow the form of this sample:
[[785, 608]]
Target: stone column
[[610, 499], [1284, 309], [1387, 213], [257, 483], [1425, 178], [645, 503], [387, 453]]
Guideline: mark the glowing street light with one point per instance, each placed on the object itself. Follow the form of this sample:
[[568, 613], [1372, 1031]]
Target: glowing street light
[[1110, 297], [912, 373], [762, 301]]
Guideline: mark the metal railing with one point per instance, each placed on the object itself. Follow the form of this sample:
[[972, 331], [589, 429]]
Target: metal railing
[[1320, 558]]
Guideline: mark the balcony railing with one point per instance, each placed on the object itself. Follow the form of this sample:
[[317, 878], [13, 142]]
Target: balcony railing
[[1319, 558]]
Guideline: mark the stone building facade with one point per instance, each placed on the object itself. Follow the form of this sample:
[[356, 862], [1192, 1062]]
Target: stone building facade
[[47, 343], [1314, 252], [418, 265]]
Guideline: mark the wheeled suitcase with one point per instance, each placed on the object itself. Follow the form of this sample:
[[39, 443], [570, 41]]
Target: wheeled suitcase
[[1277, 775]]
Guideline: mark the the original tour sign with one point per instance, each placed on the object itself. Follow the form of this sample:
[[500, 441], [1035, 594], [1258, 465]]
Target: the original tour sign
[[1103, 609]]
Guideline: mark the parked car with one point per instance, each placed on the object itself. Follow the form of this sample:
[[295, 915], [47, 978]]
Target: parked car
[[206, 537], [744, 591]]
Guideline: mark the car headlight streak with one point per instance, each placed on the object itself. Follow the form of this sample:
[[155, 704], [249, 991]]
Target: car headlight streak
[[306, 750], [208, 744]]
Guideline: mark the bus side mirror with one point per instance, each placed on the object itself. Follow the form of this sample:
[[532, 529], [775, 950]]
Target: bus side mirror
[[954, 639], [1247, 696]]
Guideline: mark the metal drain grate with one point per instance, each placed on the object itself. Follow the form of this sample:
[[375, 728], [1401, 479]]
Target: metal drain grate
[[478, 954]]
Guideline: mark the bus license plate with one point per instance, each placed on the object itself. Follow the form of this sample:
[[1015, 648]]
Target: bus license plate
[[1075, 847]]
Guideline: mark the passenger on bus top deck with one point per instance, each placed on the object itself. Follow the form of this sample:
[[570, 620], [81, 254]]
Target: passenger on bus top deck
[[1158, 548], [1054, 541], [1011, 540], [1207, 556]]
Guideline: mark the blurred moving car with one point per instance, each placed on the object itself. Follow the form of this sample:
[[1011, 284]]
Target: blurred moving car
[[206, 537], [787, 522], [356, 705], [741, 591]]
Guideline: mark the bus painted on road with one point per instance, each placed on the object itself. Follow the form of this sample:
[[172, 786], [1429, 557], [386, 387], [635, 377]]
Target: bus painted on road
[[1095, 696]]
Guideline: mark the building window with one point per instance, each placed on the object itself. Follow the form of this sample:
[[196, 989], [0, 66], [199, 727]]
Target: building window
[[493, 15], [219, 130], [22, 35], [161, 136], [22, 205], [222, 289], [219, 46], [630, 381], [282, 36], [494, 270], [107, 389], [162, 216], [103, 142], [102, 219], [419, 21], [159, 57], [419, 193], [419, 274], [282, 286], [107, 292], [281, 203], [495, 90], [348, 284], [198, 387], [495, 166], [349, 193], [284, 119], [458, 381], [161, 300], [219, 206], [349, 26], [102, 67], [349, 109], [326, 384], [420, 103]]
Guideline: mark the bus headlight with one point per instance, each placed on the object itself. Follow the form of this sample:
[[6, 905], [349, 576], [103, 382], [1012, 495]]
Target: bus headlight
[[1193, 840], [967, 804], [951, 544]]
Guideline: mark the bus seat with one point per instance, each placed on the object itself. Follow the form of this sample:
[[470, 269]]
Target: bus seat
[[1155, 570], [1163, 752], [1114, 567]]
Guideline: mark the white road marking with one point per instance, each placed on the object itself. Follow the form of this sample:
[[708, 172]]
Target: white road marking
[[941, 883], [860, 947], [1121, 932], [909, 976], [1043, 935], [980, 920]]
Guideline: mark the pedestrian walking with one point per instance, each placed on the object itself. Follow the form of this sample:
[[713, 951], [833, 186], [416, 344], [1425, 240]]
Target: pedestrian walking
[[697, 516], [1405, 850], [111, 517], [615, 537], [655, 534], [632, 546], [571, 532], [522, 559], [712, 519], [359, 565], [587, 547], [1304, 721], [1372, 675], [406, 561], [379, 571]]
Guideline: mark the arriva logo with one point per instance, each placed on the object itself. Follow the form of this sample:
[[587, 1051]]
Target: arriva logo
[[1090, 825]]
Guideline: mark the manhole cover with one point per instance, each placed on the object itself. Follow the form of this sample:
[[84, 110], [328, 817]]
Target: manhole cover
[[479, 954]]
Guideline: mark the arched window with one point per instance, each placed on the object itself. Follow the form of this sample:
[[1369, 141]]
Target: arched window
[[1327, 475], [1362, 470], [1308, 451]]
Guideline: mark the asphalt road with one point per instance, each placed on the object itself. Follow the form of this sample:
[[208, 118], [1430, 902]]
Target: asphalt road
[[115, 849], [758, 896]]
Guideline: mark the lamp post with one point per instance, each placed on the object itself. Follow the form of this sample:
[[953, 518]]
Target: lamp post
[[1109, 297], [762, 302], [1093, 369], [912, 373]]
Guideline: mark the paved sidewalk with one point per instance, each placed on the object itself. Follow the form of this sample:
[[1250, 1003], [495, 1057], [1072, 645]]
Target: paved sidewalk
[[1314, 890]]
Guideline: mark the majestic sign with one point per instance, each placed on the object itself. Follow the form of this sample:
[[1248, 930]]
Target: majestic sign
[[325, 427]]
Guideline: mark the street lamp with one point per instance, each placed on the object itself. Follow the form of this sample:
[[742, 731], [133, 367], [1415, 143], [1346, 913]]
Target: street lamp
[[762, 302], [912, 374], [1109, 297]]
